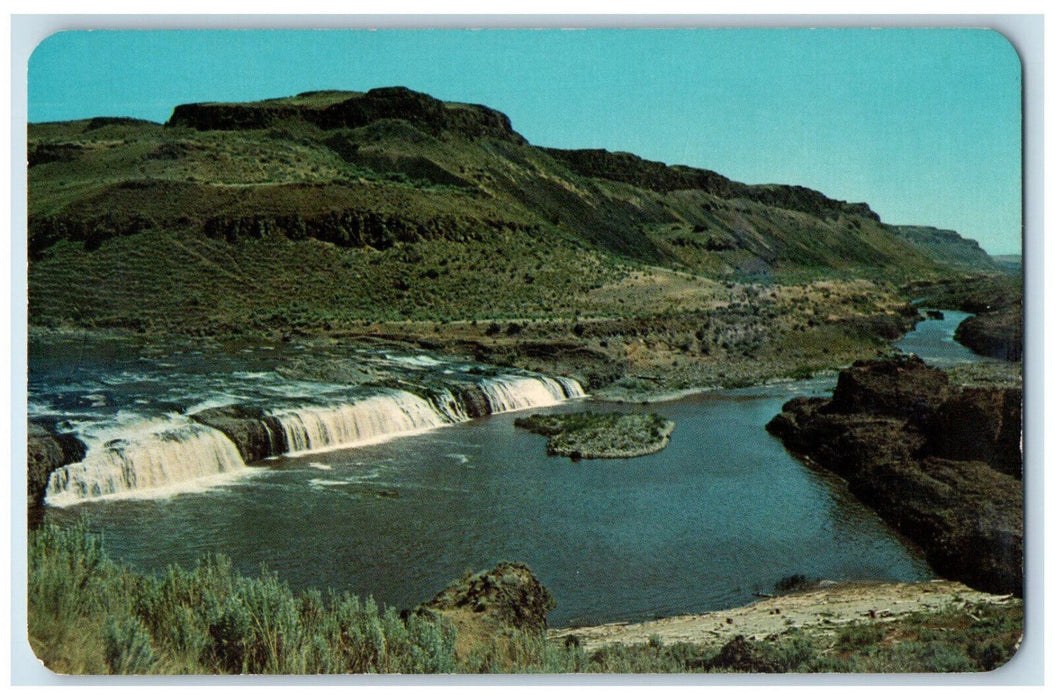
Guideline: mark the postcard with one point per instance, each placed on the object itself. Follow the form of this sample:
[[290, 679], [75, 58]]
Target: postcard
[[509, 351]]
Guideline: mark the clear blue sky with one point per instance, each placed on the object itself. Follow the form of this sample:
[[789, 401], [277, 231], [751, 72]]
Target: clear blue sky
[[923, 124]]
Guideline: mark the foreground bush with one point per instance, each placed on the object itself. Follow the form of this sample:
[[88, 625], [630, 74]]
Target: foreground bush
[[90, 615]]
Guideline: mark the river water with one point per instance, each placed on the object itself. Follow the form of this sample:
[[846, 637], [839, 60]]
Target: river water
[[722, 513]]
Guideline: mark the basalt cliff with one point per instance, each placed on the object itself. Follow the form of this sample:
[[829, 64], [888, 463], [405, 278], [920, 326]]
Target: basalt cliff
[[941, 463]]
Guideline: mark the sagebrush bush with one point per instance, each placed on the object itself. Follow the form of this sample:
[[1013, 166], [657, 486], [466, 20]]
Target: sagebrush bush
[[88, 614], [128, 646], [210, 619]]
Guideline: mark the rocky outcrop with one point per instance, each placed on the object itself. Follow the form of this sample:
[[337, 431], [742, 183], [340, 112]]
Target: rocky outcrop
[[589, 435], [354, 111], [46, 451], [475, 401], [354, 228], [659, 177], [255, 434], [980, 424], [509, 594], [994, 334], [905, 388], [489, 609], [741, 656], [92, 231], [40, 154], [937, 462], [948, 246]]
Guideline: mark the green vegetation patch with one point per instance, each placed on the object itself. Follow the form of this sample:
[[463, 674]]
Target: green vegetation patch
[[590, 435], [91, 615]]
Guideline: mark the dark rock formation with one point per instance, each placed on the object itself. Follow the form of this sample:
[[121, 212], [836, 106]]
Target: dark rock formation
[[508, 594], [994, 334], [489, 611], [905, 388], [90, 230], [255, 434], [475, 401], [659, 177], [936, 461], [356, 110], [981, 424], [350, 228], [741, 656], [52, 153], [46, 451]]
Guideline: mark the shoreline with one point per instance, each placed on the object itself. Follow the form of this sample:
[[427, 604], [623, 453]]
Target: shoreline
[[615, 392], [822, 611]]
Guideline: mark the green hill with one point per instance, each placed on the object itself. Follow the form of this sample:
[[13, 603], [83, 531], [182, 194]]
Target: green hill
[[948, 247], [332, 211]]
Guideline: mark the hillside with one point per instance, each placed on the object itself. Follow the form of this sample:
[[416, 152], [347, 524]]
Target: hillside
[[947, 246], [394, 166], [339, 212]]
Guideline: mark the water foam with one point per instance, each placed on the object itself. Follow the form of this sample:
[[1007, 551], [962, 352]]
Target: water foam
[[149, 458], [130, 456], [370, 420], [510, 392]]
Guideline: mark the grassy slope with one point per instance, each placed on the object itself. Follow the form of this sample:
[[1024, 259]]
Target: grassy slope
[[172, 229], [182, 175]]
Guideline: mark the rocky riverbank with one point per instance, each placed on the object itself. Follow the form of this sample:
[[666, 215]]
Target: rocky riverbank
[[994, 334], [822, 612], [940, 463], [996, 299], [588, 435], [46, 451]]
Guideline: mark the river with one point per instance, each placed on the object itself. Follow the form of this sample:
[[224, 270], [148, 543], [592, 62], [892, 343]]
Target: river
[[722, 513]]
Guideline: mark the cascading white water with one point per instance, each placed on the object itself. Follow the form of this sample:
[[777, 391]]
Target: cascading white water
[[572, 388], [375, 418], [318, 428], [149, 456], [448, 405], [143, 456], [513, 393]]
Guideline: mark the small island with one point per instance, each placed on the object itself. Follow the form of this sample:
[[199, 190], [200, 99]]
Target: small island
[[589, 435]]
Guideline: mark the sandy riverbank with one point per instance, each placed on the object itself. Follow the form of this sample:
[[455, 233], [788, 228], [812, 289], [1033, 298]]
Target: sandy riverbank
[[822, 611]]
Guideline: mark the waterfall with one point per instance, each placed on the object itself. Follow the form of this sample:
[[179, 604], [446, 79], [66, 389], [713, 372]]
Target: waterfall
[[142, 456], [371, 419], [513, 393], [398, 412], [448, 405], [572, 389], [150, 456]]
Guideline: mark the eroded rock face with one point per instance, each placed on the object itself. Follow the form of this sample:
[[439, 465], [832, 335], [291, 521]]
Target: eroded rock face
[[937, 462], [255, 434], [490, 609], [903, 387], [659, 177], [995, 334], [357, 110], [475, 401], [46, 451], [983, 424]]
